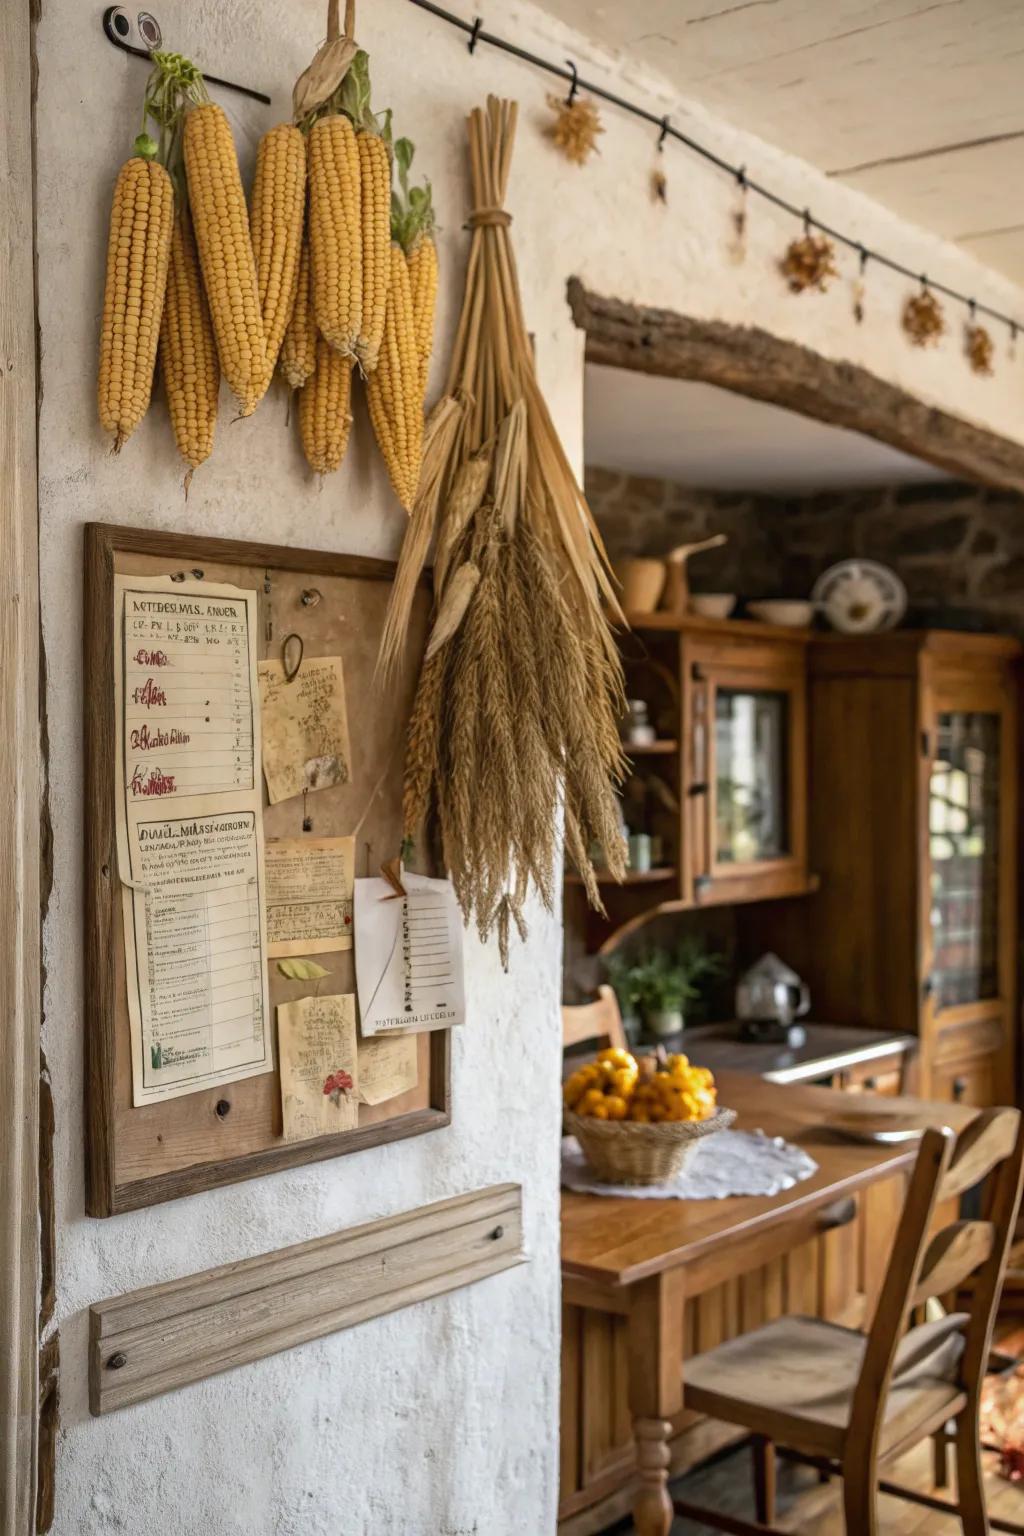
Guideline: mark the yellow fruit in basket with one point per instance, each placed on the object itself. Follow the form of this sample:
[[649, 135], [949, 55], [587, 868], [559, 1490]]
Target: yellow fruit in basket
[[599, 1111], [616, 1106], [591, 1100], [678, 1065], [623, 1081], [618, 1057]]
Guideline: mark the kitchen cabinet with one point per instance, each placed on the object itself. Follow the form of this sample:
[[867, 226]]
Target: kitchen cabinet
[[913, 803], [722, 789]]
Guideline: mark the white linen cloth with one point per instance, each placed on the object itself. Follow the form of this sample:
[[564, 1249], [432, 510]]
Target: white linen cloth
[[727, 1163]]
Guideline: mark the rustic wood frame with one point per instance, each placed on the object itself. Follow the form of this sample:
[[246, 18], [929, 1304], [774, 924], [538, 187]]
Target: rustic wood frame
[[21, 881], [751, 361], [104, 1195]]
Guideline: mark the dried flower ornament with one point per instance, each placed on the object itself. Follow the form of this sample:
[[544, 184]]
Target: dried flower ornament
[[859, 287], [979, 347], [809, 262], [659, 187], [923, 319], [737, 247], [575, 128]]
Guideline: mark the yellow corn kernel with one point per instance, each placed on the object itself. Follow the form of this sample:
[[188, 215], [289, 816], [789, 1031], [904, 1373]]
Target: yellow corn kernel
[[375, 217], [138, 255], [225, 253], [188, 350], [297, 360], [392, 390], [335, 236], [276, 218], [325, 415]]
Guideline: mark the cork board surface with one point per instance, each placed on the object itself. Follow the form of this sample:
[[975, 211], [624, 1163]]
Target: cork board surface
[[158, 1151]]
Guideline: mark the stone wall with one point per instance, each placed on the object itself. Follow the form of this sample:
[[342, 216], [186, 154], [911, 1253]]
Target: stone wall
[[958, 548]]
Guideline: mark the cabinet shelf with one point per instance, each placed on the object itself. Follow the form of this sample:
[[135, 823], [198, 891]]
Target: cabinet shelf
[[633, 876], [650, 749]]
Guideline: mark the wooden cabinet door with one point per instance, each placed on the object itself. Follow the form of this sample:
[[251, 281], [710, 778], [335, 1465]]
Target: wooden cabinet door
[[969, 859], [745, 772]]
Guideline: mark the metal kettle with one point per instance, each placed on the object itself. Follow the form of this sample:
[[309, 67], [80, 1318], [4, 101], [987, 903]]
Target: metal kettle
[[770, 992]]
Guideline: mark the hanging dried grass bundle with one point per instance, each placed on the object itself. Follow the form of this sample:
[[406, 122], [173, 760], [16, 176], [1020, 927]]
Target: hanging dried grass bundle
[[809, 263], [575, 128], [980, 348], [518, 697]]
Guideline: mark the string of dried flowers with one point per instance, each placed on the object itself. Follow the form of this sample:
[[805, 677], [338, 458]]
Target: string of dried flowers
[[516, 708], [576, 127], [979, 348], [809, 263], [923, 318]]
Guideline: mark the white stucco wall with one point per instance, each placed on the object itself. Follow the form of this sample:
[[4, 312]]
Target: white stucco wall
[[439, 1421]]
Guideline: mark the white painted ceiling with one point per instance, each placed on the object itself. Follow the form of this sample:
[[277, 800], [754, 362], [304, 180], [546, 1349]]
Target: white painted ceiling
[[699, 435], [916, 103]]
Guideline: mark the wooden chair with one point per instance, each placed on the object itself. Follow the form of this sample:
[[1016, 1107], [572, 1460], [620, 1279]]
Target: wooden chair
[[599, 1021], [846, 1402]]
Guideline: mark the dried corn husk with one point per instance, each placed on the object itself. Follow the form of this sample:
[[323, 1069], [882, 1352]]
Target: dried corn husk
[[517, 704]]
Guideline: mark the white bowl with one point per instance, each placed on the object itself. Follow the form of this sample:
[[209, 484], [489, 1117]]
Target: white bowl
[[790, 613], [712, 605]]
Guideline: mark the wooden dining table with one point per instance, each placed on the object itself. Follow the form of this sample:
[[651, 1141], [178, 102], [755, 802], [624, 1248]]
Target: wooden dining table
[[636, 1274]]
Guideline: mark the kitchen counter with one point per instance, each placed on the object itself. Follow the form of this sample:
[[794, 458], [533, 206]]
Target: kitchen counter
[[829, 1051]]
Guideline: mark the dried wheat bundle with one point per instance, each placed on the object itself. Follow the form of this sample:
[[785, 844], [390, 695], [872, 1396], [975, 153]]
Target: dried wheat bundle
[[518, 697]]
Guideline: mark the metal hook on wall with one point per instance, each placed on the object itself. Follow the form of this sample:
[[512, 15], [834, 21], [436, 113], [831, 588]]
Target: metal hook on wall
[[574, 86], [117, 29]]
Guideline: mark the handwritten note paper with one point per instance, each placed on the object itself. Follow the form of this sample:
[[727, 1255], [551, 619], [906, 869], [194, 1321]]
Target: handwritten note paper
[[305, 727], [190, 835], [408, 956], [316, 1042], [309, 895], [387, 1067]]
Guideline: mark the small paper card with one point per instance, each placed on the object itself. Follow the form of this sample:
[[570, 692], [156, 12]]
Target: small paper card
[[316, 1041], [408, 956], [387, 1067], [309, 894], [305, 727]]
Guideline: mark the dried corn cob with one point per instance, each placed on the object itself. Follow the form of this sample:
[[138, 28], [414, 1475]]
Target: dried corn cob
[[275, 222], [225, 253], [325, 416], [335, 233], [393, 388], [298, 350], [138, 253], [422, 264], [188, 351], [375, 217]]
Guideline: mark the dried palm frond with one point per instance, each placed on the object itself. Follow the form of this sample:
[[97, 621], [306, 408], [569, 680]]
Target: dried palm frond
[[517, 702]]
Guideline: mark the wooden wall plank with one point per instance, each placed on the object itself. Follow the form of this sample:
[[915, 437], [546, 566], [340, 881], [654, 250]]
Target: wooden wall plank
[[167, 1336]]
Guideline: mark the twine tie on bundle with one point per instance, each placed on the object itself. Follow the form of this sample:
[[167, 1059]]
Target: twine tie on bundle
[[489, 218]]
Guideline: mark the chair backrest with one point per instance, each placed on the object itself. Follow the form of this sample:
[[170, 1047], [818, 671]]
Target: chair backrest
[[925, 1264], [599, 1021]]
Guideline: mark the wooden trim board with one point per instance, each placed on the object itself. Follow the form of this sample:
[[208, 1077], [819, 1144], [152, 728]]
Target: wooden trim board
[[152, 1341], [751, 361], [20, 788], [137, 1157]]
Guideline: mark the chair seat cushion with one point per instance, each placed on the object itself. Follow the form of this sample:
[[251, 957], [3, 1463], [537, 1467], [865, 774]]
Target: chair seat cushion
[[796, 1377]]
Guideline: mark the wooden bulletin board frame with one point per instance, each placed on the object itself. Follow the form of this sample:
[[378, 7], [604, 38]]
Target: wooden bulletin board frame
[[185, 1144]]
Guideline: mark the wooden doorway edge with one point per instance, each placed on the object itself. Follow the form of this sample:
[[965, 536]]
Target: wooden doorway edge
[[20, 781], [751, 361]]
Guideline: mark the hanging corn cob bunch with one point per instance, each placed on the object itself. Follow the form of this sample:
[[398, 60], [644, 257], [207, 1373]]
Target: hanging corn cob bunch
[[276, 217], [138, 256], [516, 705]]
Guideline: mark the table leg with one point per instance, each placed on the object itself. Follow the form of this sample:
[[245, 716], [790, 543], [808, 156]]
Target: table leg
[[655, 1392]]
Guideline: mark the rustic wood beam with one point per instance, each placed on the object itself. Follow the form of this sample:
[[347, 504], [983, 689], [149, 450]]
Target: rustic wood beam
[[751, 361]]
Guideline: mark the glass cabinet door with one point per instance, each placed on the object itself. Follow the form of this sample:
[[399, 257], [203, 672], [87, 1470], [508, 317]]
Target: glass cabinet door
[[963, 827], [751, 790]]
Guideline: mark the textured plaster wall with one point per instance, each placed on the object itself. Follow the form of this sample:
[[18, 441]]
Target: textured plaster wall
[[439, 1420]]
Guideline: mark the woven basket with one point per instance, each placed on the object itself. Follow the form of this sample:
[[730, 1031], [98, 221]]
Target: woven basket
[[630, 1152]]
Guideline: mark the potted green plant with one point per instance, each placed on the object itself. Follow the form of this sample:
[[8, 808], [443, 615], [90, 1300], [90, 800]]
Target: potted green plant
[[663, 981], [621, 974]]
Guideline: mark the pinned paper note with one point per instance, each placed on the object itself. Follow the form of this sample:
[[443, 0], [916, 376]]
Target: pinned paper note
[[388, 1066], [309, 894], [305, 727], [316, 1041], [408, 955]]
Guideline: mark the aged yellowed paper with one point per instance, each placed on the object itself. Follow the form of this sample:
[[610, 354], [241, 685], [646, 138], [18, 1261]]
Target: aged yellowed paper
[[190, 834], [387, 1067], [309, 894], [408, 955], [316, 1043], [305, 727]]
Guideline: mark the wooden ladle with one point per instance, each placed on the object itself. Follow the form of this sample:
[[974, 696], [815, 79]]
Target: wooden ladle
[[676, 594]]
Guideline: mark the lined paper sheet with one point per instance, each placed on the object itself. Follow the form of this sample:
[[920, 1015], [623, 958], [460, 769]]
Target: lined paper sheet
[[309, 894], [409, 968], [190, 835]]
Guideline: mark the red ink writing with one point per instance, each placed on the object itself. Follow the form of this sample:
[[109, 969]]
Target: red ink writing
[[149, 694], [145, 740], [153, 782], [152, 659]]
